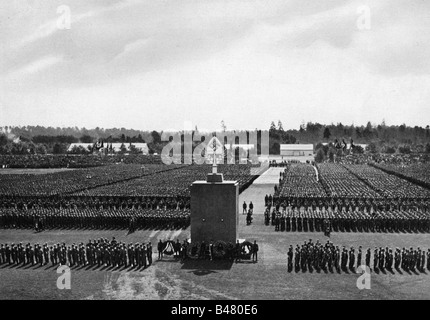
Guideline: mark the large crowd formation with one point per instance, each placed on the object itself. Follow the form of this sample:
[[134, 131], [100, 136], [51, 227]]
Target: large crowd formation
[[418, 173], [300, 180], [337, 181], [334, 180], [328, 257], [68, 182], [172, 183], [345, 197], [386, 185], [119, 180], [115, 196], [73, 161], [399, 158]]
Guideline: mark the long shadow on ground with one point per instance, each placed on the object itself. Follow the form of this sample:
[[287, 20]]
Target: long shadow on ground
[[202, 267]]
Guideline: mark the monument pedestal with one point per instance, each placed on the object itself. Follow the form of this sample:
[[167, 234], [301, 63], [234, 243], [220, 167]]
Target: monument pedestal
[[214, 210]]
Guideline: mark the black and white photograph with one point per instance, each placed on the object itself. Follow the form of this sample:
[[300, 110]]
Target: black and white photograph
[[227, 151]]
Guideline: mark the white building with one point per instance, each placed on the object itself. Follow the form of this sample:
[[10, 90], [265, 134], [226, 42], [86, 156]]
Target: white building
[[297, 150], [241, 146]]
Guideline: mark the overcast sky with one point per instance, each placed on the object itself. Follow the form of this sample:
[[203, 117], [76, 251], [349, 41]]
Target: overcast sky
[[155, 64]]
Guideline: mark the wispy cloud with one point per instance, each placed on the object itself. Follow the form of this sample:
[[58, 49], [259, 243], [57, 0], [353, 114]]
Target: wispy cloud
[[50, 27], [37, 66], [228, 56]]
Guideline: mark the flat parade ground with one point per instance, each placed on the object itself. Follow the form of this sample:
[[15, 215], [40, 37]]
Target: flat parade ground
[[32, 171], [170, 279]]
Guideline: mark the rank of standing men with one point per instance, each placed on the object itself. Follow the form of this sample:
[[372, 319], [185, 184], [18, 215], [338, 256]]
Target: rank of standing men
[[101, 252], [286, 218], [329, 257]]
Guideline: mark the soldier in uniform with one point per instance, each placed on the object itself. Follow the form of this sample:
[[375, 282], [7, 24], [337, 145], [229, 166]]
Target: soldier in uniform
[[396, 259], [177, 248], [404, 259], [46, 253], [381, 259], [31, 254], [351, 259], [237, 251], [144, 254], [266, 217], [359, 257], [277, 221], [368, 254], [297, 259], [288, 221], [2, 254], [428, 259], [160, 249], [130, 254], [337, 258], [282, 222], [389, 259], [255, 251], [149, 253], [423, 258], [290, 258], [375, 259], [343, 259], [69, 256], [184, 250], [50, 251], [40, 254]]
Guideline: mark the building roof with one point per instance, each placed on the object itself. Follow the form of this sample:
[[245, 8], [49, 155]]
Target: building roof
[[243, 146]]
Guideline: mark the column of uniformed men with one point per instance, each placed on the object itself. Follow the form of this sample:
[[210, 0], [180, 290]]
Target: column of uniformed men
[[95, 202], [99, 253], [358, 202], [341, 221], [317, 256], [103, 252], [40, 219], [288, 217]]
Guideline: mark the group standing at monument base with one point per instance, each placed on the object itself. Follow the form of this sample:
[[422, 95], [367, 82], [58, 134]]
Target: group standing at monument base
[[105, 253], [211, 250]]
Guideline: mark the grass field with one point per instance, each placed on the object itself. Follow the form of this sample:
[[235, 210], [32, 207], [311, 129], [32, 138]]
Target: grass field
[[32, 171], [169, 279]]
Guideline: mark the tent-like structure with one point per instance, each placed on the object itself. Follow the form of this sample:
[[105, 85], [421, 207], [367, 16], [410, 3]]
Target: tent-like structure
[[116, 146]]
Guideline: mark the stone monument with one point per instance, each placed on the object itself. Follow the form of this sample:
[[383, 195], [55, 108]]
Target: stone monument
[[214, 206]]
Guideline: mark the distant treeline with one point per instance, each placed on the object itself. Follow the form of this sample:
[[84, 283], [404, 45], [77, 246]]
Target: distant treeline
[[83, 139], [380, 137]]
